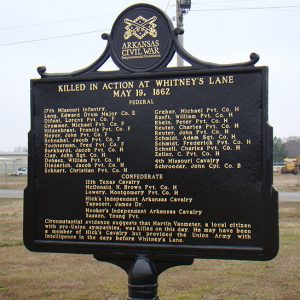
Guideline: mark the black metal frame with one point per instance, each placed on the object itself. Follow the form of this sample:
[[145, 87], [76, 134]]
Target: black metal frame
[[133, 258]]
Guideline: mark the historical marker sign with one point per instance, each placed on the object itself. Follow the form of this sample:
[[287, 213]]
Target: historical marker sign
[[170, 162]]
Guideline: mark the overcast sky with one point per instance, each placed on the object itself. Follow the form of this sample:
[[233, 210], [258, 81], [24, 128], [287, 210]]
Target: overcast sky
[[65, 35]]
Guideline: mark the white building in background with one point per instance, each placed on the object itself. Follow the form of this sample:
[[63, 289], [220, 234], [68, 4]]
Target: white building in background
[[11, 161]]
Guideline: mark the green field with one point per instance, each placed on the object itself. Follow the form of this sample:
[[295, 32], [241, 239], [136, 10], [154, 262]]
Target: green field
[[26, 275]]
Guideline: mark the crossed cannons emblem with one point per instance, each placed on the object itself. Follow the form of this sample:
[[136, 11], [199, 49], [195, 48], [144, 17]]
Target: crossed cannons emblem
[[140, 27]]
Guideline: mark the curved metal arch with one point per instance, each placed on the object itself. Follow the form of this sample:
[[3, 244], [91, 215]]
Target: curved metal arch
[[89, 70], [200, 64], [176, 47]]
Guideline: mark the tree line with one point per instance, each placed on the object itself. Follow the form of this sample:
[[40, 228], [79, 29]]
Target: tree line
[[285, 148]]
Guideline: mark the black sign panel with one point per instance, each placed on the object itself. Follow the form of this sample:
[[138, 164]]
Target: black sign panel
[[175, 163]]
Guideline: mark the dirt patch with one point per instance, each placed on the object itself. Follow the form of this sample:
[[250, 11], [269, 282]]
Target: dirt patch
[[286, 182]]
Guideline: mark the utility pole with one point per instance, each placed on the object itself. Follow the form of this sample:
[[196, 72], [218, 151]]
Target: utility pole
[[182, 7], [298, 169]]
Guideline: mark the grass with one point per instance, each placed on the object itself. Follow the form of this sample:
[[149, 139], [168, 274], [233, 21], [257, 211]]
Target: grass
[[26, 275], [13, 182]]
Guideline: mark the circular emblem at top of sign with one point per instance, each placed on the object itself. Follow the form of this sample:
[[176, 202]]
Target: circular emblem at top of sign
[[141, 38]]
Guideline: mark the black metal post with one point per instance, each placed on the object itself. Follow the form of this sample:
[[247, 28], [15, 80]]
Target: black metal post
[[143, 272], [142, 280]]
